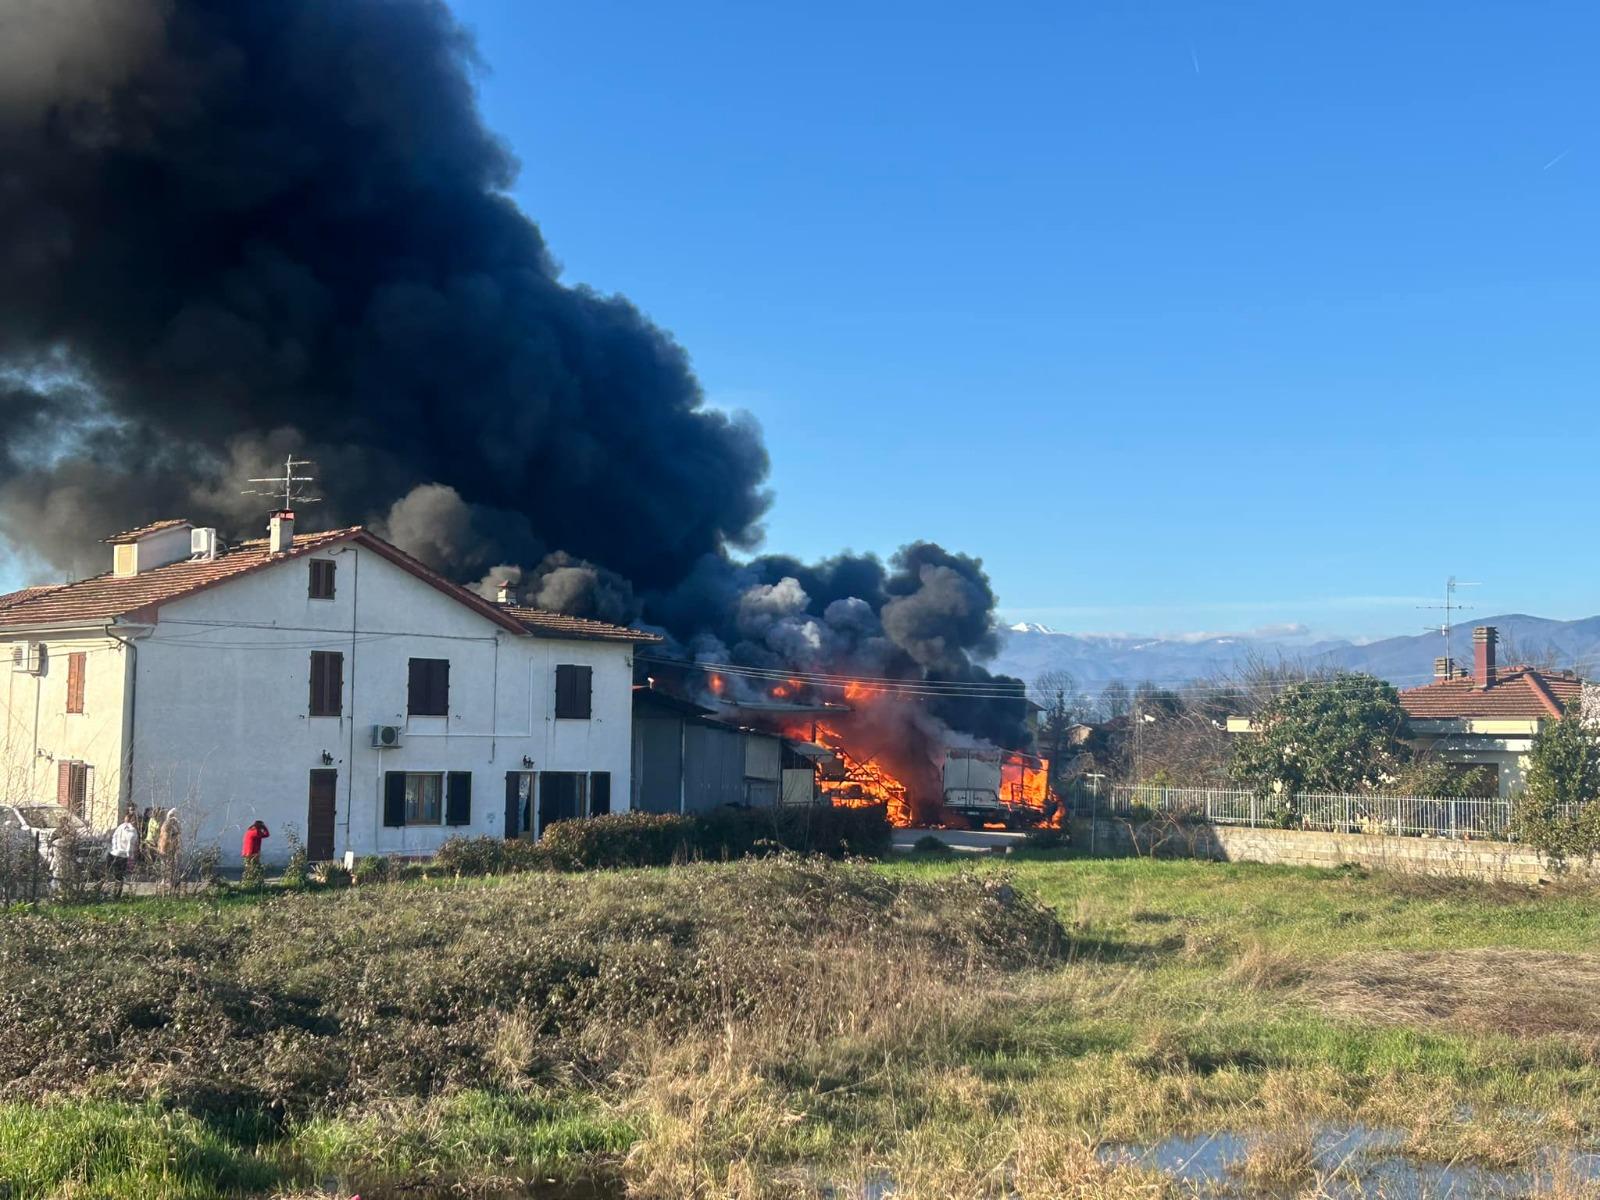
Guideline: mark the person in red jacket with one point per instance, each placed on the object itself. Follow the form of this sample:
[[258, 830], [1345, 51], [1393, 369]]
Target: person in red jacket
[[253, 837]]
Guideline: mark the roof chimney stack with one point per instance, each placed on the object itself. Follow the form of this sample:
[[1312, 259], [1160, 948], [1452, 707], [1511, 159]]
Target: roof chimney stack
[[1444, 668], [1484, 639], [503, 593], [281, 532]]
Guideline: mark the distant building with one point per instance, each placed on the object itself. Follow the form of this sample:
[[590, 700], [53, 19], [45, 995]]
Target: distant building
[[1490, 715]]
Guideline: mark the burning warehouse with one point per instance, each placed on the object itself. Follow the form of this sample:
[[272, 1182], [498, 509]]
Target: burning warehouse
[[689, 757]]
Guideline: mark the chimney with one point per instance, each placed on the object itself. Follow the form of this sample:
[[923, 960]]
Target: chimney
[[503, 594], [149, 547], [1444, 668], [1484, 638], [281, 532]]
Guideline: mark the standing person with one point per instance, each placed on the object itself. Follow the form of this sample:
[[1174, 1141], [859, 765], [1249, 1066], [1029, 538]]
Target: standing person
[[124, 844], [167, 844], [253, 837]]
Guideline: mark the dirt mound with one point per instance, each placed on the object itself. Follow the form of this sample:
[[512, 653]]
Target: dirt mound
[[1527, 993]]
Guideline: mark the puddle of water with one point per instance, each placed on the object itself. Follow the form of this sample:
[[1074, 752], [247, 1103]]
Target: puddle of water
[[1351, 1162]]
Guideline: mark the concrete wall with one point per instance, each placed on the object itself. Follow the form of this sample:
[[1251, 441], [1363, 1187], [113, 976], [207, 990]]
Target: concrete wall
[[1285, 847], [222, 730]]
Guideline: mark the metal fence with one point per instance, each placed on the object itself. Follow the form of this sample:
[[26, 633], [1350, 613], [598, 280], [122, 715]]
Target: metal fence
[[1488, 818]]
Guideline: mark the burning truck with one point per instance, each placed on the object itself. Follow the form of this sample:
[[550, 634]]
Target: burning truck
[[997, 787]]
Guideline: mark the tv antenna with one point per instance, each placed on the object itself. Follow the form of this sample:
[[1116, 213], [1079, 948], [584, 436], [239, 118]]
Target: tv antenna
[[286, 487], [1449, 608]]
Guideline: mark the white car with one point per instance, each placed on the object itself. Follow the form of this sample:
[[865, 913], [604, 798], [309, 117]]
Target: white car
[[41, 823]]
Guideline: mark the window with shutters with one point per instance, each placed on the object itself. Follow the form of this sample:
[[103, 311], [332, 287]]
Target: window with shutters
[[327, 683], [574, 690], [72, 787], [429, 692], [76, 663], [427, 798], [322, 572]]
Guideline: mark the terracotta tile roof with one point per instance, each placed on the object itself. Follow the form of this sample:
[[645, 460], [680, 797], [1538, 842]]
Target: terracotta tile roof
[[541, 623], [1524, 693], [105, 597], [133, 535], [27, 593]]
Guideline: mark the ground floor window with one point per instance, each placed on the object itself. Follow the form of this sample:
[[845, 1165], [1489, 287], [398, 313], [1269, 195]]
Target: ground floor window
[[427, 798], [424, 799]]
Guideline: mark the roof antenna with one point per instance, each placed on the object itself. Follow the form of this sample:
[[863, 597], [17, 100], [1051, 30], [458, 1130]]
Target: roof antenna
[[285, 487], [1448, 607]]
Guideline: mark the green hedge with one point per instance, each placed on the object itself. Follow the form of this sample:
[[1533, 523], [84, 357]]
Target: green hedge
[[636, 839]]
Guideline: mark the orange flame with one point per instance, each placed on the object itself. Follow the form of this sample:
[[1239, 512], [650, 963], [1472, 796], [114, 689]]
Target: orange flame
[[857, 783]]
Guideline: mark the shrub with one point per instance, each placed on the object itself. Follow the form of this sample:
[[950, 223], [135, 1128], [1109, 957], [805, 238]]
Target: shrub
[[331, 874], [631, 839], [254, 875], [296, 870], [374, 868], [206, 865], [1558, 814], [488, 856], [640, 839], [928, 844]]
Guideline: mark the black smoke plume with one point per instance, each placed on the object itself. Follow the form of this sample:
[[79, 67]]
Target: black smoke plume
[[232, 230]]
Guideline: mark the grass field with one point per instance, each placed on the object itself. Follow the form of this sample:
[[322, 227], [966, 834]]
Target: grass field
[[762, 1030]]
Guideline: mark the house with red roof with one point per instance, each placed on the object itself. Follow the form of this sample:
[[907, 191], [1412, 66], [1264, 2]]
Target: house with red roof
[[326, 683], [1491, 714]]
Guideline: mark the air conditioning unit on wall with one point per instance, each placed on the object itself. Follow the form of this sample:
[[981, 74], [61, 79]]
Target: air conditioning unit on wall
[[387, 737], [28, 658]]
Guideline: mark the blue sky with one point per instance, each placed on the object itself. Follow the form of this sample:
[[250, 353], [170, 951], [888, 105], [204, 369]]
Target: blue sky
[[1181, 316]]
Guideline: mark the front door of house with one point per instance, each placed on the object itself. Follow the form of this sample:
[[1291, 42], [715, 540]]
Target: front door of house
[[319, 814], [519, 804]]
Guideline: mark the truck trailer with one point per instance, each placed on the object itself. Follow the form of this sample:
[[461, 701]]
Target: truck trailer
[[996, 787]]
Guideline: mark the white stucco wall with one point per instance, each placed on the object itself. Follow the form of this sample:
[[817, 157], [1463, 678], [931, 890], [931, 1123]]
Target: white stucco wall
[[222, 730], [37, 733]]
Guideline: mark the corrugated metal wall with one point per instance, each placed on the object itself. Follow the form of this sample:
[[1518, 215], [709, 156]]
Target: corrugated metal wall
[[657, 764], [713, 767]]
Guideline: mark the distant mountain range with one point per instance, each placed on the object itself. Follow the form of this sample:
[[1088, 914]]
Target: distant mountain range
[[1095, 659]]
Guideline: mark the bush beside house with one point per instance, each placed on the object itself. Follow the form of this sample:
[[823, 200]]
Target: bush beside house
[[637, 839]]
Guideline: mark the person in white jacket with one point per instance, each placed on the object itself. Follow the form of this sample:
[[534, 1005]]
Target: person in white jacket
[[124, 844]]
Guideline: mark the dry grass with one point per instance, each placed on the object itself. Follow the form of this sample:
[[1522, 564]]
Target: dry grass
[[1261, 967], [1525, 993], [1282, 1160]]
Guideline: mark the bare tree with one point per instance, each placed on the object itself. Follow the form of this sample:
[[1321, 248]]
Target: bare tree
[[1115, 701]]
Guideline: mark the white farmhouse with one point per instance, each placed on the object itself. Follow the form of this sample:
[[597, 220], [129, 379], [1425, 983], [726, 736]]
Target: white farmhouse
[[325, 683]]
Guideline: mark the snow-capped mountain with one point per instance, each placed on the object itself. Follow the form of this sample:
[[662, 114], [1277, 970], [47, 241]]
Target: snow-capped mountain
[[1028, 650]]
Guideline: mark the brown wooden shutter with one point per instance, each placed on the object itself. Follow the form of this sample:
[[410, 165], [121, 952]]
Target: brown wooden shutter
[[574, 686], [75, 667], [64, 784], [327, 683], [458, 798], [321, 586], [428, 687]]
